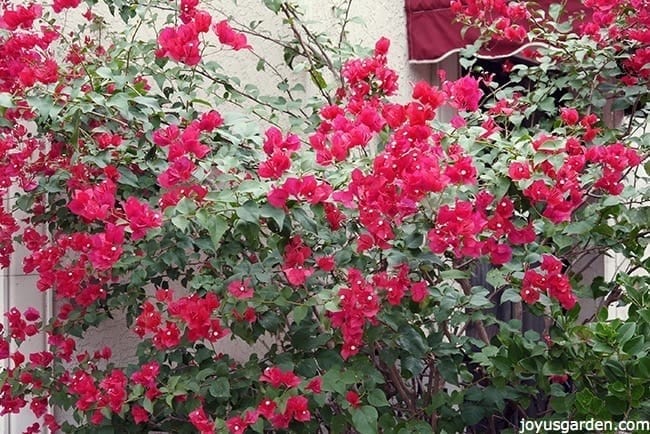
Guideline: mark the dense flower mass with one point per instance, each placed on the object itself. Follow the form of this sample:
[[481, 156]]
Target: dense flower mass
[[359, 256]]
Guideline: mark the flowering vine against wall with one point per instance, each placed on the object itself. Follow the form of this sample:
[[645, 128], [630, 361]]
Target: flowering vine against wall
[[345, 243]]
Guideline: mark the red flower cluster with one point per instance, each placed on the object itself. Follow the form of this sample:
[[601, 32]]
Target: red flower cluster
[[181, 143], [306, 188], [352, 397], [60, 5], [24, 58], [519, 170], [184, 146], [8, 226], [21, 325], [507, 19], [614, 160], [113, 391], [141, 217], [276, 377], [201, 421], [395, 287], [464, 93], [614, 23], [108, 140], [561, 190], [296, 408], [83, 386], [182, 43], [367, 78], [106, 247], [551, 281], [358, 304], [239, 424], [278, 151], [94, 203], [473, 229], [294, 267], [457, 227], [343, 129], [99, 397], [228, 36], [410, 167], [241, 289], [20, 16], [194, 314]]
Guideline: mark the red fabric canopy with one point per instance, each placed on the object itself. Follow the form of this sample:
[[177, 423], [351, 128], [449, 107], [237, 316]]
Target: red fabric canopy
[[433, 33]]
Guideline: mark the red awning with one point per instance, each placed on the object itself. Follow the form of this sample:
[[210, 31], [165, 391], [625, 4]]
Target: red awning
[[433, 33]]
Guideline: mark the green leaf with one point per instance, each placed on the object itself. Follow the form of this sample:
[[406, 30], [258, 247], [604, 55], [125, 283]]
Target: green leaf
[[220, 388], [270, 321], [186, 206], [181, 222], [127, 177], [277, 214], [614, 370], [148, 101], [563, 241], [300, 313], [377, 398], [561, 404], [554, 367], [6, 100], [554, 11], [645, 314], [249, 212], [496, 277], [642, 367], [364, 420], [625, 332], [615, 405], [412, 341], [634, 345], [472, 414], [510, 294], [414, 365], [454, 275], [332, 382], [318, 79], [502, 186], [578, 228], [147, 405], [216, 225], [120, 101], [308, 223]]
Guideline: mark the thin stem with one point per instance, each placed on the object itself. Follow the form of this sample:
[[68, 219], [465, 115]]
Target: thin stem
[[306, 50], [277, 73], [346, 19], [314, 39], [246, 95]]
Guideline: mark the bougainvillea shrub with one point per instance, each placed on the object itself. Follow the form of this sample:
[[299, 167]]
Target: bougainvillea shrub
[[339, 225]]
